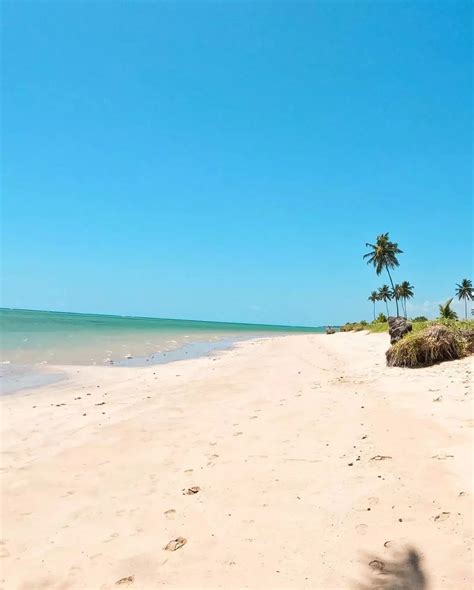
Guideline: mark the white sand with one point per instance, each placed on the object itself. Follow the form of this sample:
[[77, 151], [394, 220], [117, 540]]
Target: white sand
[[278, 434]]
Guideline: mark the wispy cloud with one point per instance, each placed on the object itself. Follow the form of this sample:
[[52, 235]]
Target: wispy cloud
[[430, 308]]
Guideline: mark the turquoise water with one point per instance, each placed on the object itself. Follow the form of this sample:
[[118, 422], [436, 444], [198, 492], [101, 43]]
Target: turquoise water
[[74, 338]]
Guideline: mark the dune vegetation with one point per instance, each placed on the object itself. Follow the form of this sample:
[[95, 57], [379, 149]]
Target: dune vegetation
[[432, 344]]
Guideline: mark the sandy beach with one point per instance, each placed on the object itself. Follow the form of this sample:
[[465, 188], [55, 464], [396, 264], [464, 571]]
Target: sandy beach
[[311, 458]]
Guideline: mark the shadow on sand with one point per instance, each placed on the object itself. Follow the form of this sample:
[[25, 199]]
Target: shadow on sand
[[403, 572]]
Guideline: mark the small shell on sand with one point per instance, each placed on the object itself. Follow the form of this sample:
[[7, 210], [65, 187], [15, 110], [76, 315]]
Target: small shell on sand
[[175, 544]]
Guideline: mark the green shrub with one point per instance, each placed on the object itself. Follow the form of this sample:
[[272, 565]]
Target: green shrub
[[420, 318], [354, 326], [379, 327], [380, 319]]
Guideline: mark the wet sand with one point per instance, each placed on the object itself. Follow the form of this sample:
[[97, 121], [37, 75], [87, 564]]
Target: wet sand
[[288, 462], [14, 378], [17, 377]]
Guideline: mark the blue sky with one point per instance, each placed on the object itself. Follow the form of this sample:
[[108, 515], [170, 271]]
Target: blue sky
[[229, 160]]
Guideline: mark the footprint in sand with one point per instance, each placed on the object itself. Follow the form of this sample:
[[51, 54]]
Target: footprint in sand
[[170, 514], [361, 529], [4, 551], [211, 460], [127, 580], [112, 536], [373, 501]]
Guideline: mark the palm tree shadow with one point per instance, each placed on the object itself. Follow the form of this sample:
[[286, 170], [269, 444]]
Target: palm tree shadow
[[403, 572]]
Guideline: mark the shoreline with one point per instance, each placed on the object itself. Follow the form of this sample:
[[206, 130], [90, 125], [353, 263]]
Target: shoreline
[[281, 434], [17, 378], [60, 338]]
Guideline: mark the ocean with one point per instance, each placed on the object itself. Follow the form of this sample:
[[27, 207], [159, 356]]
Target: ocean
[[57, 338]]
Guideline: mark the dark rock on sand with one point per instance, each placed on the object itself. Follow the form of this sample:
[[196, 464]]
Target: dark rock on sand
[[191, 491], [397, 328]]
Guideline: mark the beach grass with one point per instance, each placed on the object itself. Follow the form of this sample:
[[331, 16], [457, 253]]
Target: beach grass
[[417, 326], [427, 346]]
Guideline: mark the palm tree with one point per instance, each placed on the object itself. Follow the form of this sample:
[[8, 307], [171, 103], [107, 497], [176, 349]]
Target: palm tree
[[397, 293], [385, 294], [407, 293], [374, 296], [383, 254], [445, 311], [465, 291]]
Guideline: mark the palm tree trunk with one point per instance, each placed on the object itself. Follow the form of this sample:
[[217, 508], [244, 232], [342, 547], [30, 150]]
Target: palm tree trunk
[[386, 304], [393, 288], [374, 311], [465, 308]]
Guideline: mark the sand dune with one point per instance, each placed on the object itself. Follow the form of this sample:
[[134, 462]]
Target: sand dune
[[291, 462]]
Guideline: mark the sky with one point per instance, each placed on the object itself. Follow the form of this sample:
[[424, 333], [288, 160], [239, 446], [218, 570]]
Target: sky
[[229, 160]]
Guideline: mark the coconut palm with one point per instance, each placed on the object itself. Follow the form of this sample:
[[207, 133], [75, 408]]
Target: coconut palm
[[445, 311], [374, 296], [406, 293], [465, 291], [385, 294], [397, 294], [383, 254]]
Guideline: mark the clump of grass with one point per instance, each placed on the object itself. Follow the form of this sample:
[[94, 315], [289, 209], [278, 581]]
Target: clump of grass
[[354, 326], [378, 327], [433, 344], [454, 324], [374, 326], [468, 335], [418, 325]]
